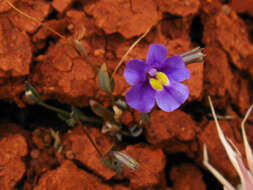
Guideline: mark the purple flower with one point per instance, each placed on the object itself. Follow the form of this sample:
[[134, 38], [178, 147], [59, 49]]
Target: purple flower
[[156, 80]]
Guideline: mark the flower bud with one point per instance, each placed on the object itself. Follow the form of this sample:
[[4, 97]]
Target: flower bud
[[193, 56], [125, 159], [31, 97], [31, 93]]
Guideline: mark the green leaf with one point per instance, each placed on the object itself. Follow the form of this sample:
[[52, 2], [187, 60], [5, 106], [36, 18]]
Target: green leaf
[[79, 114], [29, 87], [70, 121], [104, 79], [31, 93]]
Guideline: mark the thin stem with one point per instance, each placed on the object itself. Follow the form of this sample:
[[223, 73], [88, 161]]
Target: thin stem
[[129, 50], [73, 43], [89, 137], [55, 109], [35, 20], [67, 114]]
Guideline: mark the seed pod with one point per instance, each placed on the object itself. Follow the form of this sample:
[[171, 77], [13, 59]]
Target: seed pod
[[125, 159]]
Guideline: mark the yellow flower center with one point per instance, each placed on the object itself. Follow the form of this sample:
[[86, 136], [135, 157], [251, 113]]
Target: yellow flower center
[[161, 79]]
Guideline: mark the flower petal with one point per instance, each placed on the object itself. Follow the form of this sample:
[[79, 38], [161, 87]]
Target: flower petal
[[172, 97], [135, 71], [174, 67], [157, 53], [141, 97]]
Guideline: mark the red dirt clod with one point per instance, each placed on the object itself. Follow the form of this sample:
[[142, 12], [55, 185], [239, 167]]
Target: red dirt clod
[[58, 25], [41, 138], [120, 187], [82, 149], [226, 29], [165, 126], [121, 16], [151, 171], [218, 77], [187, 176], [121, 86], [65, 76], [35, 153], [195, 82], [179, 8], [16, 52], [61, 5], [216, 152], [62, 178], [247, 65], [12, 168], [38, 9], [15, 60], [244, 98], [126, 118], [80, 25], [244, 6], [4, 6]]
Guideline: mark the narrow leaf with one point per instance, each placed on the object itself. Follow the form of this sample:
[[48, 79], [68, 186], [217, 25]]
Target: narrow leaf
[[104, 79], [29, 87], [70, 121]]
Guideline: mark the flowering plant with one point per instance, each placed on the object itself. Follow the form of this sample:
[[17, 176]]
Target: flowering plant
[[156, 80]]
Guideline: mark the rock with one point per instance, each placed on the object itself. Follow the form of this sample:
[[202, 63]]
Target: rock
[[15, 60], [4, 6], [58, 25], [121, 86], [226, 29], [120, 187], [12, 90], [218, 77], [150, 174], [61, 5], [242, 6], [127, 118], [39, 9], [129, 19], [179, 8], [196, 80], [165, 126], [187, 176], [12, 168], [174, 27], [16, 52], [243, 99], [78, 143], [216, 152], [174, 146], [247, 65], [65, 76], [80, 24], [69, 177]]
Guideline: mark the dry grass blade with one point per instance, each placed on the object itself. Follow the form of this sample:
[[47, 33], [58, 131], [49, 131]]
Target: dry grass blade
[[230, 152], [248, 150], [35, 20], [221, 179], [129, 50]]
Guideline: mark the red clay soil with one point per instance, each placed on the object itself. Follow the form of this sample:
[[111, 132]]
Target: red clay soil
[[106, 29]]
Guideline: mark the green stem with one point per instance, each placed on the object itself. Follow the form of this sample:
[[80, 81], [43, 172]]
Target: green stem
[[67, 114], [58, 110]]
